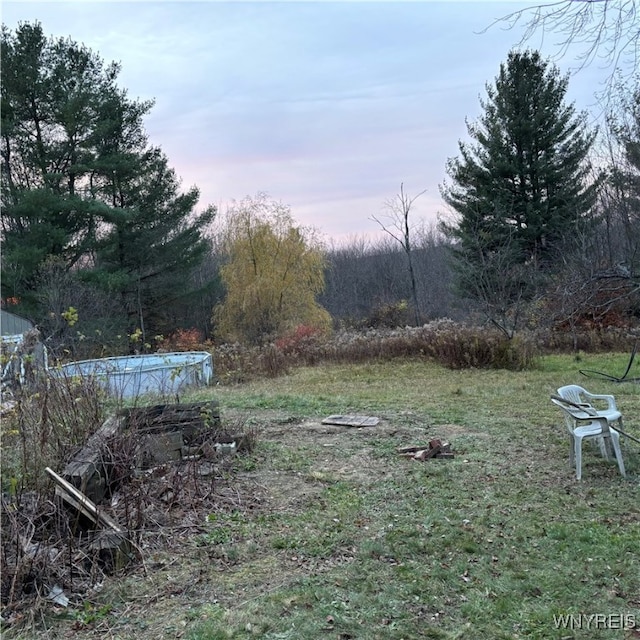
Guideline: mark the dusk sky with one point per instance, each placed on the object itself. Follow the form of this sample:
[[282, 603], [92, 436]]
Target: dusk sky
[[325, 106]]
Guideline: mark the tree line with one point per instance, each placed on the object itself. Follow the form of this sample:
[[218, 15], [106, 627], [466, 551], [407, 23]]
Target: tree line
[[106, 253]]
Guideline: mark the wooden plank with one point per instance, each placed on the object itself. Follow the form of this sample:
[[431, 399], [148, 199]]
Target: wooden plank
[[351, 420], [79, 501], [435, 449], [86, 470], [160, 448], [172, 413], [413, 449], [190, 417]]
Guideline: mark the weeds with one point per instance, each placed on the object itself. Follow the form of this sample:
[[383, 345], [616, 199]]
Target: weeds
[[46, 423], [53, 555], [453, 345]]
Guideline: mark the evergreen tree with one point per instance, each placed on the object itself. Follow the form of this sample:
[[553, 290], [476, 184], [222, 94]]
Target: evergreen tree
[[81, 183], [523, 186], [153, 242], [53, 95]]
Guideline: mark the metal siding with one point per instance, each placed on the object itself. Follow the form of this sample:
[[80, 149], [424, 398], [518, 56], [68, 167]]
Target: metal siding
[[11, 324]]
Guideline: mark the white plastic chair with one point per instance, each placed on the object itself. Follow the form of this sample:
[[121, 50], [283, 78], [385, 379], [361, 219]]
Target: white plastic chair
[[579, 395], [581, 424]]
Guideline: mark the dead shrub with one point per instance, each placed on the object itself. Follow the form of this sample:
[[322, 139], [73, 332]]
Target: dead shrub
[[236, 363], [462, 347], [609, 339], [48, 420], [454, 345], [183, 340], [303, 345], [41, 562], [390, 315]]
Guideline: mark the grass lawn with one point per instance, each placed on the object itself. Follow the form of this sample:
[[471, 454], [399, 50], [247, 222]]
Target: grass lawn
[[498, 543], [343, 538]]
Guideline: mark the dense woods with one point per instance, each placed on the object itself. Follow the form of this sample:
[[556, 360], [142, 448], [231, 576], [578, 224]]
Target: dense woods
[[106, 252]]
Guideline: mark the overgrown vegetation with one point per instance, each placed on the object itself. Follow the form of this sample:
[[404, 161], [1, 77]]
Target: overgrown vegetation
[[44, 424], [452, 345], [53, 554]]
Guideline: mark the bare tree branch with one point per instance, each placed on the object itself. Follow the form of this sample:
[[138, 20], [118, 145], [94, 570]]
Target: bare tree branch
[[606, 29]]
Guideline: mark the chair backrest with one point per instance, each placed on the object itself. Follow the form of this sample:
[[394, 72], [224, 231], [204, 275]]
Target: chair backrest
[[569, 420], [579, 395], [573, 392]]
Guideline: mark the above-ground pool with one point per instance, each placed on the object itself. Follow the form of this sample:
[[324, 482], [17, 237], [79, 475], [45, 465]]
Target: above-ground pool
[[158, 373]]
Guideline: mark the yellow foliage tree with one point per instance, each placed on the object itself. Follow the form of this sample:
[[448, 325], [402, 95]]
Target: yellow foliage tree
[[273, 272]]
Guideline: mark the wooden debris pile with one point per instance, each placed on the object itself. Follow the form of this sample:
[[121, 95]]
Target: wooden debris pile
[[435, 449], [142, 437], [143, 468], [137, 439]]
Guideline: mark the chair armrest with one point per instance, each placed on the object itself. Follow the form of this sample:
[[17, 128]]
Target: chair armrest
[[608, 398]]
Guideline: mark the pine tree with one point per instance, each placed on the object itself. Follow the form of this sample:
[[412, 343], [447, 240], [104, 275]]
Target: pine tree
[[81, 183], [153, 242], [523, 187], [53, 95]]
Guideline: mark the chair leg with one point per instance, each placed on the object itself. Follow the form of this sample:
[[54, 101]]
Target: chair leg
[[572, 451], [577, 448], [603, 446], [615, 441]]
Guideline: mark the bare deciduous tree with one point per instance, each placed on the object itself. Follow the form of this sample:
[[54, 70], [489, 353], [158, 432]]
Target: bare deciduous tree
[[584, 296], [400, 229], [501, 289]]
